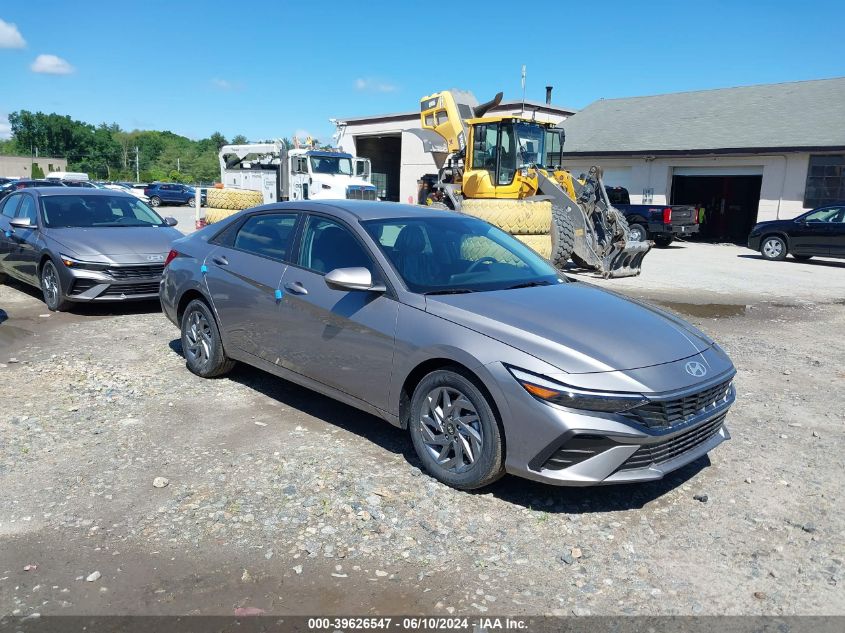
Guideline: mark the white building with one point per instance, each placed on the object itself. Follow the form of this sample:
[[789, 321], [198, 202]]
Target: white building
[[746, 154], [399, 158]]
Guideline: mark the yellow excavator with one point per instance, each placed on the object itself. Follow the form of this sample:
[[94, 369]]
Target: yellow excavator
[[506, 169]]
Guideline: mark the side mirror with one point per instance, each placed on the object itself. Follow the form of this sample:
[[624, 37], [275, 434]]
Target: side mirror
[[22, 223], [170, 221], [358, 278]]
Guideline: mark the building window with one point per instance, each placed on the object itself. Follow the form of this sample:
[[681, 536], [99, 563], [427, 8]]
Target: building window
[[825, 180]]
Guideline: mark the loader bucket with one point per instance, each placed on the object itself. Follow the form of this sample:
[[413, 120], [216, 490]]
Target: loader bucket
[[625, 260]]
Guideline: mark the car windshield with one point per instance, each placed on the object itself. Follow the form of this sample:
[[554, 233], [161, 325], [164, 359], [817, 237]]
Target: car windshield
[[331, 165], [453, 254], [531, 138], [91, 211]]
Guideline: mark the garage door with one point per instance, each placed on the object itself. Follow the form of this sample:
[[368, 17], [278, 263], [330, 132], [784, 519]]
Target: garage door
[[744, 170]]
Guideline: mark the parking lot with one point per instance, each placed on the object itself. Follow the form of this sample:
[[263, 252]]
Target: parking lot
[[282, 500]]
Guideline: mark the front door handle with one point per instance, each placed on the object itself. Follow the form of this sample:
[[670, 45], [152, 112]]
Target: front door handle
[[220, 260], [296, 288]]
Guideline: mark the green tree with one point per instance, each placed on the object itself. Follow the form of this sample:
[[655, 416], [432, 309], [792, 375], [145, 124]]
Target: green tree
[[240, 139]]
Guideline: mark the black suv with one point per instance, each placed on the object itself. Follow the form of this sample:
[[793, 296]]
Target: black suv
[[819, 232]]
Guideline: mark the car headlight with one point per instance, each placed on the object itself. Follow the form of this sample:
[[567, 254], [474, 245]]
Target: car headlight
[[555, 392], [70, 262]]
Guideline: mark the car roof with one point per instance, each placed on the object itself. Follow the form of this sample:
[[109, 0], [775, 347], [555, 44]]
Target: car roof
[[76, 191], [362, 209]]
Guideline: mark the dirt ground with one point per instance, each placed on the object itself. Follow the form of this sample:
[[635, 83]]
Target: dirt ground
[[288, 502]]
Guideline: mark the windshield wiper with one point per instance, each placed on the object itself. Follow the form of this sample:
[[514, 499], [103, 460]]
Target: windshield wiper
[[449, 291], [529, 284]]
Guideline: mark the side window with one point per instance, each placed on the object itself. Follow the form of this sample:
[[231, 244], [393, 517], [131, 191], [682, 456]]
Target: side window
[[267, 235], [327, 245], [507, 156], [10, 205], [484, 147], [829, 214], [27, 210]]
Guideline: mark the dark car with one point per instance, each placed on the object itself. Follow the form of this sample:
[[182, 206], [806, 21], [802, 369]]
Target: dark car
[[9, 187], [83, 244], [171, 193], [820, 232], [658, 222]]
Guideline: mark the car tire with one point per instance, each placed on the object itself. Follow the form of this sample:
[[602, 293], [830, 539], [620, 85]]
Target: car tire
[[51, 288], [201, 342], [802, 258], [472, 449], [638, 232], [663, 241], [773, 248], [155, 201]]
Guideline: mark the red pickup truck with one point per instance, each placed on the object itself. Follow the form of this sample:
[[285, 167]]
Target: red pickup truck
[[657, 222]]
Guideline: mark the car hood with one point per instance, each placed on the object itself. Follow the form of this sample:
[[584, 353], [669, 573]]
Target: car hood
[[117, 244], [576, 327]]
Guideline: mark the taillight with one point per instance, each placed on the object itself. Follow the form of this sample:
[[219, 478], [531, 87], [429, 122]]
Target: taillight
[[173, 254], [696, 211], [667, 216]]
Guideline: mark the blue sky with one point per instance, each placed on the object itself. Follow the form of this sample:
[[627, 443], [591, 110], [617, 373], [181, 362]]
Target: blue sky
[[275, 68]]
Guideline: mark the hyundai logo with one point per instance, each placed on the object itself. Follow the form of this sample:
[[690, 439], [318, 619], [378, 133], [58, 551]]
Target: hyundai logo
[[694, 368], [155, 258]]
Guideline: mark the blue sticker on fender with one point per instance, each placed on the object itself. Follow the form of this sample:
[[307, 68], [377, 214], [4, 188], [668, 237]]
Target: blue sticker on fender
[[8, 234], [203, 269], [279, 295]]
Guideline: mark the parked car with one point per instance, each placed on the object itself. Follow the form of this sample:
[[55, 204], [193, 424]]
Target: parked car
[[445, 325], [820, 232], [83, 244], [170, 193], [25, 183], [4, 180], [660, 223], [138, 193]]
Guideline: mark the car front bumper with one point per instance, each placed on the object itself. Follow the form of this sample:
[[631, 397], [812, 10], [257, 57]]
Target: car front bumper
[[569, 447], [118, 283]]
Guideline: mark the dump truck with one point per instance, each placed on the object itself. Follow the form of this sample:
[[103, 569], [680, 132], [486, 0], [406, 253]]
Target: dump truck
[[507, 170]]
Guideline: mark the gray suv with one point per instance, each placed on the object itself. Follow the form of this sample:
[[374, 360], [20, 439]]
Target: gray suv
[[446, 326]]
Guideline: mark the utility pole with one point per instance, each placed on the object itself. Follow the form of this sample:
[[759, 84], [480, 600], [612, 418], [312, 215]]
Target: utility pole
[[137, 168], [179, 164]]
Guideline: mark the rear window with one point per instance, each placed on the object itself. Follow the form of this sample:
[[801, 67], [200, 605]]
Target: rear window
[[618, 195]]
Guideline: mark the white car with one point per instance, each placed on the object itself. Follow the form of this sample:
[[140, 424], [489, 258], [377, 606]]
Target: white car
[[138, 193]]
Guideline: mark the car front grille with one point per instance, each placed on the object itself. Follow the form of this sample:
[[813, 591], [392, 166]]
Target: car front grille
[[577, 450], [665, 413], [119, 290], [359, 193], [673, 447], [136, 272]]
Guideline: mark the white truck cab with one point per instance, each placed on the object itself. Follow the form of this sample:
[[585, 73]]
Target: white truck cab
[[296, 174]]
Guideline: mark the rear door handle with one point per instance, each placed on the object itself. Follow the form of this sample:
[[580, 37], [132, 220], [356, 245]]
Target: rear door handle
[[296, 288], [220, 260]]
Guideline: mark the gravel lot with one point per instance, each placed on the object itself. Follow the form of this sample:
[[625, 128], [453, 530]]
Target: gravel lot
[[282, 500]]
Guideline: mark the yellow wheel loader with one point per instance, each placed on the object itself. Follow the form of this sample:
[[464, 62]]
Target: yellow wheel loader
[[506, 170]]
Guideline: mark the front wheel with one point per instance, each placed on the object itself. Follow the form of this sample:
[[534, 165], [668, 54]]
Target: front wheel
[[51, 288], [201, 342], [773, 248], [155, 201], [455, 432]]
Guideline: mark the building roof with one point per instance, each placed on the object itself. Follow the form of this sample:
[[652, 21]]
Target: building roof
[[509, 105], [803, 115]]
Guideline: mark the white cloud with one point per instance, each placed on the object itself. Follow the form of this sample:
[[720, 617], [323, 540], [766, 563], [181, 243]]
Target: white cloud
[[5, 128], [373, 85], [225, 84], [51, 65], [10, 37]]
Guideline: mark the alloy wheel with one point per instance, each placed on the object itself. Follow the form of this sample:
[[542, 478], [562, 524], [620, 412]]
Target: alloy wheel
[[50, 284], [199, 338], [451, 429], [773, 248]]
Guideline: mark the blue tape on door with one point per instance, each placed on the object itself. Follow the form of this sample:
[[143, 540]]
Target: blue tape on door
[[279, 295], [8, 234], [203, 269]]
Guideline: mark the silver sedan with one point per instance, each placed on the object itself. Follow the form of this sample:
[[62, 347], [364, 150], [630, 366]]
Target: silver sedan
[[446, 326]]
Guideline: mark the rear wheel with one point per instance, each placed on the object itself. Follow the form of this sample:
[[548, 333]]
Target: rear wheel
[[201, 342], [51, 288], [455, 432], [773, 248], [155, 201], [638, 233]]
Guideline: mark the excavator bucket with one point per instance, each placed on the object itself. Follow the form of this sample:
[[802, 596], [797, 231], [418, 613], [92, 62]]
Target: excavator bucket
[[601, 236]]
